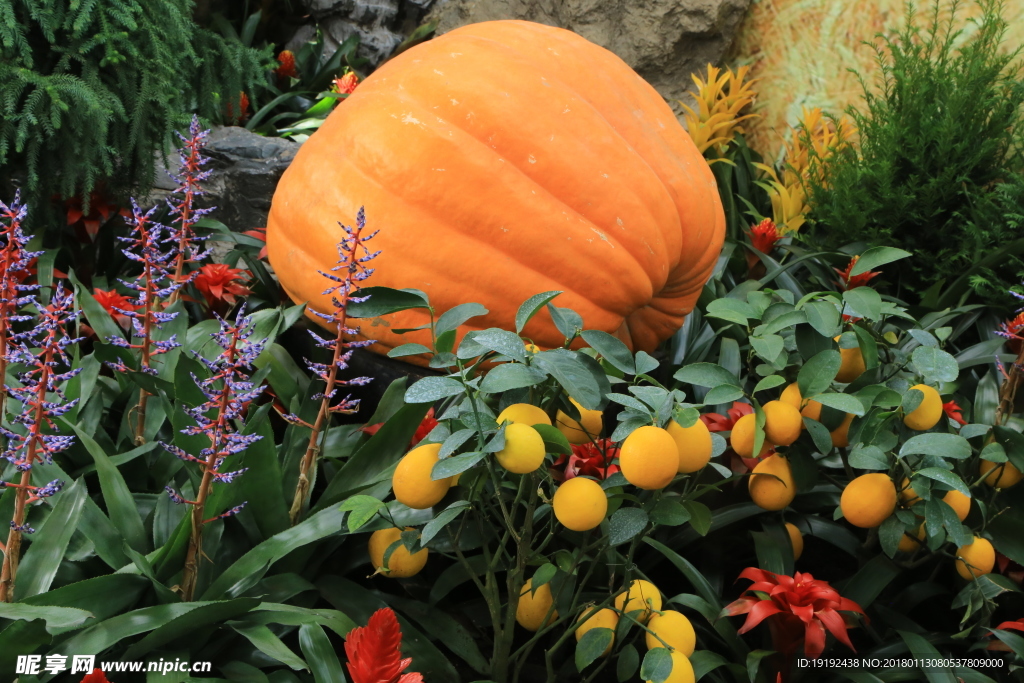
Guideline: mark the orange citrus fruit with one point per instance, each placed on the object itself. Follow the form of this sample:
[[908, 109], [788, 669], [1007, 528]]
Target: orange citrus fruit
[[401, 564], [588, 429], [524, 449], [841, 434], [809, 408], [673, 628], [534, 606], [907, 542], [523, 413], [926, 415], [868, 500], [742, 437], [412, 483], [852, 365], [580, 504], [767, 491], [908, 496], [604, 618], [796, 539], [782, 423], [975, 559], [960, 503], [694, 444], [649, 458], [1003, 474], [641, 595]]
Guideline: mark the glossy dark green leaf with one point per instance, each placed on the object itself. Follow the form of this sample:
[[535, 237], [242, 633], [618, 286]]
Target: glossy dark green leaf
[[878, 256], [870, 580], [98, 318], [442, 519], [865, 302], [456, 464], [844, 402], [320, 655], [591, 646], [575, 377], [627, 664], [189, 623], [705, 375], [431, 389], [920, 648], [935, 364], [700, 516], [823, 316], [946, 477], [98, 637], [817, 374], [361, 510], [21, 638], [508, 376], [39, 565], [272, 646], [56, 618], [451, 319], [554, 440], [385, 300], [612, 349], [657, 665], [625, 524], [442, 627]]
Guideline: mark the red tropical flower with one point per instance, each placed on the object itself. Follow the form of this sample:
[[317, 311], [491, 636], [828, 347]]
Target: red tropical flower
[[374, 651], [242, 102], [87, 225], [1010, 569], [848, 282], [286, 68], [426, 425], [588, 460], [97, 676], [723, 423], [346, 84], [1006, 626], [954, 412], [801, 609], [220, 284], [764, 235], [1012, 330], [261, 235], [114, 299]]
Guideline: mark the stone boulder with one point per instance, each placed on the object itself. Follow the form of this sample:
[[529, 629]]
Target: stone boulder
[[381, 25], [665, 41]]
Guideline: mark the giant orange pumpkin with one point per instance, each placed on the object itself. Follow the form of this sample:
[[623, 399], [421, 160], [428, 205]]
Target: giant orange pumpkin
[[498, 161]]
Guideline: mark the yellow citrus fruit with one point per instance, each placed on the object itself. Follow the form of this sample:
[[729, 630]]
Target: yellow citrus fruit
[[908, 496], [767, 491], [960, 503], [588, 429], [401, 564], [975, 559], [907, 542], [1003, 474], [533, 607], [868, 500], [782, 423], [673, 628], [412, 483], [694, 444], [682, 670], [605, 618], [852, 365], [796, 539], [580, 504], [641, 595], [841, 434], [533, 348], [649, 458], [742, 437], [524, 449], [791, 395], [926, 415], [523, 413]]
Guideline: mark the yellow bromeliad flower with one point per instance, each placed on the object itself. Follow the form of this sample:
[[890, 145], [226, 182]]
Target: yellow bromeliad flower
[[720, 99]]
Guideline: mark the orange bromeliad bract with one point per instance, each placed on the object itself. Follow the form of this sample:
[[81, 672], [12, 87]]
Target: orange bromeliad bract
[[502, 160]]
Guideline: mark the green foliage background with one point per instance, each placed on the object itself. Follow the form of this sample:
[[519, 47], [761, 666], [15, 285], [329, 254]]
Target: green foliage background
[[90, 89]]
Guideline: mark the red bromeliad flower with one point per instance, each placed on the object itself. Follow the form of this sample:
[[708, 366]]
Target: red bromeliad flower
[[848, 282], [374, 651], [1013, 331], [722, 423], [286, 68], [801, 608], [97, 676], [220, 284], [346, 84], [242, 103], [588, 460], [261, 235], [954, 412], [114, 299], [1006, 626], [87, 226], [426, 425], [764, 235]]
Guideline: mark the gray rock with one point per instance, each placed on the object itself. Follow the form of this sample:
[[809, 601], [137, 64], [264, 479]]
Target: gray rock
[[662, 40], [380, 24]]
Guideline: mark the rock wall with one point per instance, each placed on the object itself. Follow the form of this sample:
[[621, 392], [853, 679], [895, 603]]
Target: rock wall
[[381, 24]]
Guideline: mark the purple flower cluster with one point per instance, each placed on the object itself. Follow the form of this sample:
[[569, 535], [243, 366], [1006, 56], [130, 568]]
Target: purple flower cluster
[[14, 259], [190, 174], [228, 392]]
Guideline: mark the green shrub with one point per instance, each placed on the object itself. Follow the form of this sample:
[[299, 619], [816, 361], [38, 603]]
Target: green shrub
[[90, 90], [937, 139]]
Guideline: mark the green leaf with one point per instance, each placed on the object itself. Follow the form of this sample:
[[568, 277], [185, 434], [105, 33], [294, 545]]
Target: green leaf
[[869, 458], [456, 464], [98, 318], [503, 342], [870, 580], [946, 477], [788, 319], [723, 394], [645, 363], [1005, 531], [431, 389], [670, 512], [844, 402], [754, 662], [733, 310], [864, 301], [922, 649], [941, 445], [531, 307], [407, 350], [817, 374], [508, 376], [769, 382], [705, 661], [442, 627], [575, 377], [451, 319], [554, 440], [700, 516], [566, 320], [890, 533], [877, 256], [591, 646], [43, 558], [823, 316], [612, 349], [102, 635], [442, 520], [706, 375], [57, 618], [362, 509], [768, 347], [629, 661], [657, 665], [320, 655], [625, 524], [272, 646], [935, 364], [189, 623], [385, 300]]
